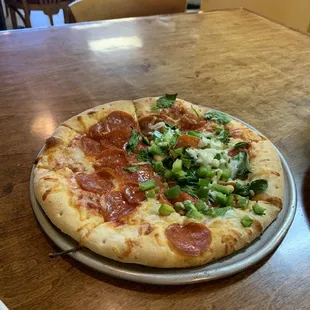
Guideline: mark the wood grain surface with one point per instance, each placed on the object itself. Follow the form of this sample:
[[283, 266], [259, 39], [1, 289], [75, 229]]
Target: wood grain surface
[[234, 61]]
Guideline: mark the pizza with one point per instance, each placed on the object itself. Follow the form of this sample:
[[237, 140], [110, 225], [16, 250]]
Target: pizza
[[159, 182]]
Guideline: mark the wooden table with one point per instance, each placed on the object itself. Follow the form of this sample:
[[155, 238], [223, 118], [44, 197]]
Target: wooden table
[[231, 60]]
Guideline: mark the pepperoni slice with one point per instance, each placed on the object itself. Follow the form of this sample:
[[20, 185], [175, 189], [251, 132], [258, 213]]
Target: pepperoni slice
[[90, 146], [145, 121], [133, 194], [116, 207], [188, 141], [118, 120], [144, 173], [116, 138], [176, 111], [191, 239], [96, 131], [99, 183], [190, 122], [112, 158]]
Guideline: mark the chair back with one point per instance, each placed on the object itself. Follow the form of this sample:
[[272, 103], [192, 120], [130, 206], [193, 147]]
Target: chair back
[[92, 10]]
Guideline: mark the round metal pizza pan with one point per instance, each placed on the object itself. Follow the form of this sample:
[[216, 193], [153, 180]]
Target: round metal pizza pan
[[224, 267]]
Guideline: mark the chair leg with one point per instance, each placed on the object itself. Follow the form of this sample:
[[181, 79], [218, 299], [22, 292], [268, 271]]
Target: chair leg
[[27, 19], [66, 15], [13, 18], [50, 16]]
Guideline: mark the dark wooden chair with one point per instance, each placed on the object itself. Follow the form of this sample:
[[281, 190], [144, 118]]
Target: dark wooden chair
[[49, 7]]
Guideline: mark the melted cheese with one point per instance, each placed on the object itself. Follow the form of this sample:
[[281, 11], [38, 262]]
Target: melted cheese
[[206, 158]]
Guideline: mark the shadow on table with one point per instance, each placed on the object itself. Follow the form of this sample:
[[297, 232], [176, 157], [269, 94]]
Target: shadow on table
[[306, 195]]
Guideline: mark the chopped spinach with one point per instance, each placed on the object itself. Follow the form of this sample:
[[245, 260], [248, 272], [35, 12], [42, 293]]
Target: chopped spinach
[[190, 189], [132, 169], [165, 102], [240, 145], [242, 190], [218, 117], [133, 141], [243, 167], [144, 156], [259, 186], [223, 136]]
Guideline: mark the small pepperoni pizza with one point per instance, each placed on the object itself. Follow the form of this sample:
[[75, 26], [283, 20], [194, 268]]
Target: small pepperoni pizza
[[159, 182]]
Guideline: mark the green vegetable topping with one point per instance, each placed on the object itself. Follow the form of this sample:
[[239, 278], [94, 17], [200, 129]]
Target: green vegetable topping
[[132, 169], [230, 200], [133, 141], [191, 190], [177, 152], [225, 189], [165, 102], [192, 212], [179, 175], [226, 174], [146, 140], [173, 192], [259, 210], [177, 165], [165, 210], [168, 174], [195, 111], [155, 150], [195, 134], [218, 117], [221, 199], [203, 172], [145, 186], [242, 202], [240, 145], [158, 166], [203, 182], [151, 193], [203, 192], [144, 156], [246, 221], [259, 186], [243, 190], [218, 129], [243, 167], [201, 206], [221, 211], [223, 136]]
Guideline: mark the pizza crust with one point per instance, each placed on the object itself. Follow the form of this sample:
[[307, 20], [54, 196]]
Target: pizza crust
[[81, 122], [142, 240], [130, 244]]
